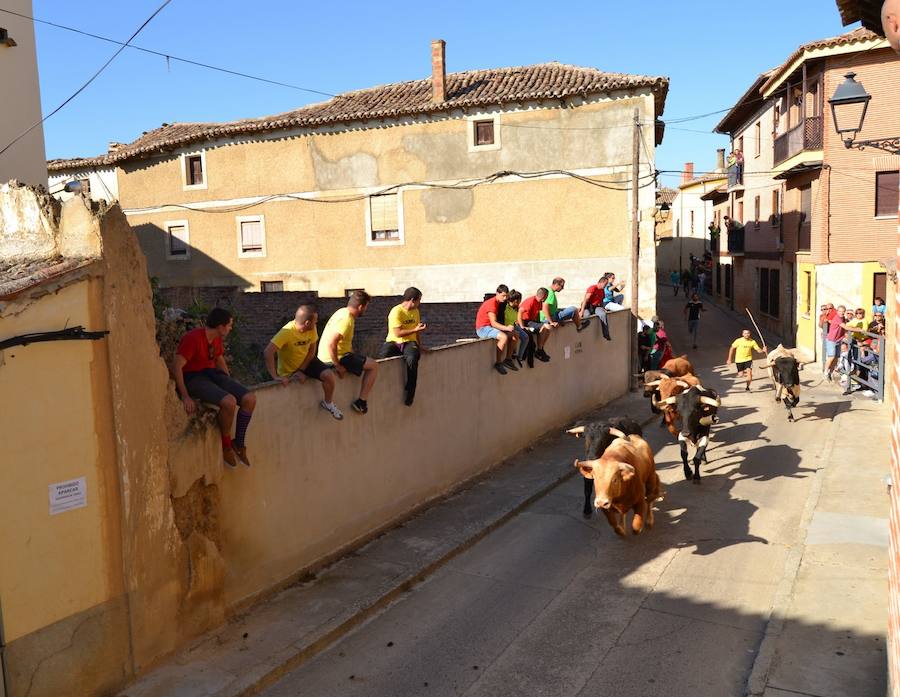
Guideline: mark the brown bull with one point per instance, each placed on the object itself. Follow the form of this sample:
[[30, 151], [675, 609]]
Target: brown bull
[[624, 479], [678, 366], [668, 389]]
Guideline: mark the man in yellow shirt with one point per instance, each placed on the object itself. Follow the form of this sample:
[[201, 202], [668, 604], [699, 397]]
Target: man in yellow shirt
[[404, 327], [742, 352], [336, 347], [294, 347]]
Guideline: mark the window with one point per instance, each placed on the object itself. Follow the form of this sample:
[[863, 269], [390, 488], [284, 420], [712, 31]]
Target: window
[[805, 203], [251, 234], [756, 211], [886, 194], [740, 144], [807, 293], [768, 291], [85, 187], [177, 240], [740, 211], [776, 206], [692, 223], [484, 132], [193, 170], [757, 133], [271, 286], [879, 287], [384, 218]]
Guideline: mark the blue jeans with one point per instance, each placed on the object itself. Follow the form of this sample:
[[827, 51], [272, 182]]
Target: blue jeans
[[523, 341], [565, 313]]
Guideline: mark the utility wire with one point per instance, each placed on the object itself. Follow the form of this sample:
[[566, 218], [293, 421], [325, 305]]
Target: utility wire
[[90, 80], [168, 56]]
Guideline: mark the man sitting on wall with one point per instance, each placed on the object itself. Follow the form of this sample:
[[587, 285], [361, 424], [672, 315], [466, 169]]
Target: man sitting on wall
[[336, 347], [404, 327], [201, 373], [295, 348], [488, 326], [529, 317], [552, 314], [592, 304]]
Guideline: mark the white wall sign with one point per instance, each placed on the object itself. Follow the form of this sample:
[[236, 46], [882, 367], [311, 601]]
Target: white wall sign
[[567, 352], [65, 496]]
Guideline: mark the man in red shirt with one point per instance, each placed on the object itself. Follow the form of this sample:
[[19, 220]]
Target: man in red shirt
[[488, 326], [201, 374], [833, 338], [529, 319], [592, 304], [826, 314]]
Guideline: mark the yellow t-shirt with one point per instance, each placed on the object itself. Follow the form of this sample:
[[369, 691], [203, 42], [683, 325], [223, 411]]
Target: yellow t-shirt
[[861, 323], [745, 348], [293, 347], [510, 316], [341, 322], [404, 319]]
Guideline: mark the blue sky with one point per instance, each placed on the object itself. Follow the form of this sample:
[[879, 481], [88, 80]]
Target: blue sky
[[710, 51]]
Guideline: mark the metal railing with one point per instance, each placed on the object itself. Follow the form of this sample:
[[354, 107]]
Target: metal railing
[[736, 241], [866, 363], [735, 176], [806, 135]]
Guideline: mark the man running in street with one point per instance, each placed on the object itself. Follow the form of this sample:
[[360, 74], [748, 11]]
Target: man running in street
[[404, 327], [742, 351], [294, 347], [692, 314], [201, 374]]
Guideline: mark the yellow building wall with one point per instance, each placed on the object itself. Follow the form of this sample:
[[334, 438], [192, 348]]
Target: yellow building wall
[[56, 428], [807, 330]]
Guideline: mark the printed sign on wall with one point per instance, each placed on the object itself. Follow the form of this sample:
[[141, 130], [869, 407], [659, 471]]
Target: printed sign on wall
[[66, 496]]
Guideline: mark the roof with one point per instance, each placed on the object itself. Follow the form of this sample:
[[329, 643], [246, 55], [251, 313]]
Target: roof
[[664, 194], [474, 88], [21, 275], [703, 178], [746, 105], [866, 11]]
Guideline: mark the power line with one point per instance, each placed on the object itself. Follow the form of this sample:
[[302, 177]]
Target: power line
[[90, 80], [168, 56]]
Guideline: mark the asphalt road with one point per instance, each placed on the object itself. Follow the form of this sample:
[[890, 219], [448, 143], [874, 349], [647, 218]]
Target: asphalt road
[[552, 604]]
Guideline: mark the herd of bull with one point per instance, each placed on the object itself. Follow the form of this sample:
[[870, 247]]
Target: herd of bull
[[619, 469]]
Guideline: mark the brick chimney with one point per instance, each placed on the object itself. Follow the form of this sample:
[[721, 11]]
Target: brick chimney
[[688, 173], [438, 71], [720, 160]]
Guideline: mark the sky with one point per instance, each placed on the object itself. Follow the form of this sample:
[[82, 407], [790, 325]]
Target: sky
[[710, 50]]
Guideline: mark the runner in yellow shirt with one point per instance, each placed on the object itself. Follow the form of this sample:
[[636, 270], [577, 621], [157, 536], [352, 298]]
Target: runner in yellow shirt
[[742, 352], [403, 338], [294, 347]]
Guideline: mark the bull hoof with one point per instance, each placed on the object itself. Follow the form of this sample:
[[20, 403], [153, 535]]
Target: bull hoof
[[587, 512], [619, 530], [687, 472]]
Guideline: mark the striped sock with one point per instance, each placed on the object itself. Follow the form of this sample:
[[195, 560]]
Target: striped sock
[[243, 420]]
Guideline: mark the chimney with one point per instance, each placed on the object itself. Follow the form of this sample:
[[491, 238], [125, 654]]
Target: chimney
[[438, 71], [688, 173], [720, 160]]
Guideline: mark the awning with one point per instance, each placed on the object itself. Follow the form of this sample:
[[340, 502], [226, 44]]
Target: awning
[[799, 168]]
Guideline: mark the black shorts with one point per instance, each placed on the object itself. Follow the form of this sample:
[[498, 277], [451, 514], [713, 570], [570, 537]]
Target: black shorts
[[353, 362], [315, 369], [212, 386], [744, 365]]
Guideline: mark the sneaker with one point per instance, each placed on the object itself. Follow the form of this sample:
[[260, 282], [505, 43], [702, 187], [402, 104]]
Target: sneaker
[[361, 406], [408, 401], [519, 361], [500, 368], [241, 452], [582, 326], [542, 356], [828, 376], [229, 457], [332, 409], [747, 388], [511, 365]]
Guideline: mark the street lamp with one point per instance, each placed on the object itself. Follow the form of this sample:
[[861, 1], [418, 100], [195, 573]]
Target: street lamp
[[662, 213], [848, 109]]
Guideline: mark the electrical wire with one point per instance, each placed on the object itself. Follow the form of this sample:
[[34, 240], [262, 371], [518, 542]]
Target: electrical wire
[[89, 81], [168, 56]]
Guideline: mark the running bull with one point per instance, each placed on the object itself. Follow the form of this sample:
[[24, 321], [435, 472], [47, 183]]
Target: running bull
[[784, 368], [696, 410], [597, 437], [624, 478]]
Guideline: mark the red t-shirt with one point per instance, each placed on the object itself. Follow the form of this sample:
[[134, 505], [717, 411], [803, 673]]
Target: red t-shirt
[[596, 295], [835, 330], [531, 309], [489, 305], [199, 353]]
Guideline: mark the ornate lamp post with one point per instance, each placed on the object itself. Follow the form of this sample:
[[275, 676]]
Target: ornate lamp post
[[848, 109]]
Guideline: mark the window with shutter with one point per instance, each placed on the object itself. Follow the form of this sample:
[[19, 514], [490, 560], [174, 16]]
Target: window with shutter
[[484, 132], [194, 171], [85, 186], [886, 194], [271, 286], [177, 241], [384, 217], [756, 211], [252, 236]]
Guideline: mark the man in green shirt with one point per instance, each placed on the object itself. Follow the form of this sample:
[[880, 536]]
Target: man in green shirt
[[550, 311]]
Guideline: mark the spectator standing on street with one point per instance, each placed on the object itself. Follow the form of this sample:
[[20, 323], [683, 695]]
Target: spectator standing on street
[[662, 348], [404, 339], [336, 348], [489, 325], [834, 337], [686, 281], [201, 374], [294, 347], [741, 352], [675, 280], [826, 314], [692, 314], [646, 339], [592, 304]]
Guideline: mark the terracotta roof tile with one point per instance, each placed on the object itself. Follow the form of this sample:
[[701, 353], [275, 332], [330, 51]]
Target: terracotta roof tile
[[466, 89], [26, 273]]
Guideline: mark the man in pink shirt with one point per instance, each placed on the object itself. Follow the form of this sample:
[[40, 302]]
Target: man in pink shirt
[[834, 336]]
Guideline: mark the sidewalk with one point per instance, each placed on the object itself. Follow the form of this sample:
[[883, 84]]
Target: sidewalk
[[257, 648]]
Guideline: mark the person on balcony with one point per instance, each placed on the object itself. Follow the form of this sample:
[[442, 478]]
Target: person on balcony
[[739, 165]]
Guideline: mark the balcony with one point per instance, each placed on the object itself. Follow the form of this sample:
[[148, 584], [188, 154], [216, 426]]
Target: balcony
[[736, 241], [807, 135], [735, 176]]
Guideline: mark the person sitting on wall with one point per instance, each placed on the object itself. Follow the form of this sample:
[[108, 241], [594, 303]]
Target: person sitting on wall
[[294, 346], [201, 374], [336, 347], [612, 296], [488, 326], [403, 338], [529, 317], [592, 304], [511, 317], [550, 311]]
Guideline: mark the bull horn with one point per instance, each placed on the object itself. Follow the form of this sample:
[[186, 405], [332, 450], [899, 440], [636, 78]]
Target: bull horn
[[578, 431], [670, 400], [616, 432], [652, 383], [682, 383], [710, 401]]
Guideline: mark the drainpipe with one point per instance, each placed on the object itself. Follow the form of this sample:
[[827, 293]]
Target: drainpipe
[[4, 674], [825, 182]]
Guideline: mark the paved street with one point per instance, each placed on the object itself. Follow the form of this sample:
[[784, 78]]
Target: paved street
[[769, 572]]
